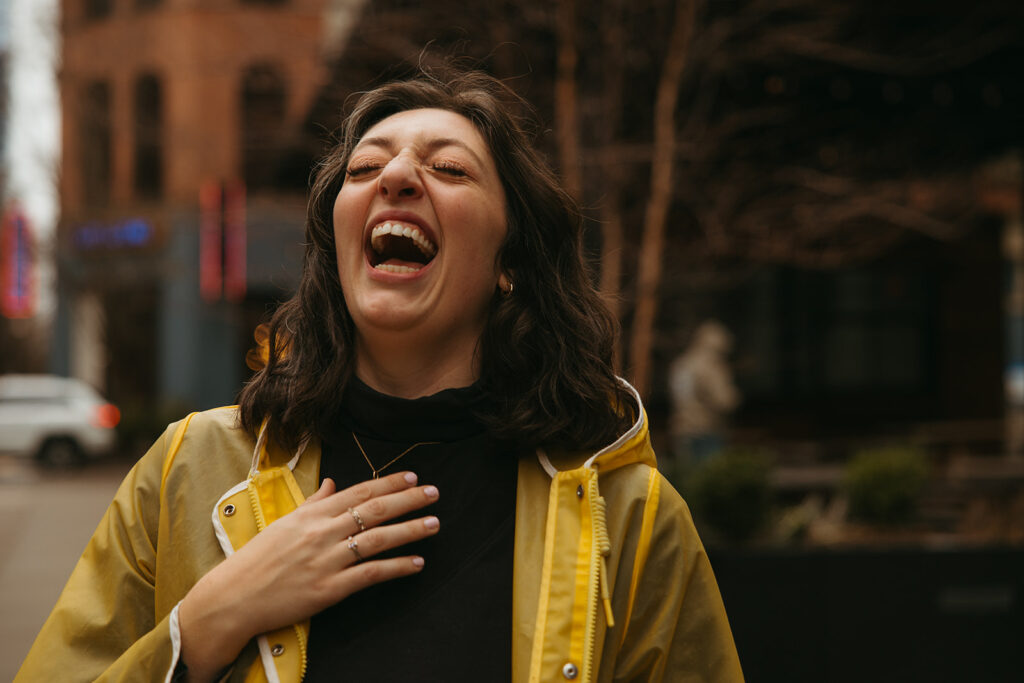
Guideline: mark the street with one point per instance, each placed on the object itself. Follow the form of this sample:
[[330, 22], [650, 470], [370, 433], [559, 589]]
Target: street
[[46, 519]]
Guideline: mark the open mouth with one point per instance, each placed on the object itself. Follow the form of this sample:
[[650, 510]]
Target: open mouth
[[400, 248]]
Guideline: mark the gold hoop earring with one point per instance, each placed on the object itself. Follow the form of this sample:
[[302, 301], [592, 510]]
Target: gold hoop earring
[[511, 288]]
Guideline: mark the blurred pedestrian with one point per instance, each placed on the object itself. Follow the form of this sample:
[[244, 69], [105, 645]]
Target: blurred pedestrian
[[703, 396]]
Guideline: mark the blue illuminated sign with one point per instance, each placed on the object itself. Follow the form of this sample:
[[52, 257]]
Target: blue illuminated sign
[[131, 232]]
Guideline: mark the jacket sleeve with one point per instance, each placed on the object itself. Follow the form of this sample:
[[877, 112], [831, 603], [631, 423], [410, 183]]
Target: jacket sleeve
[[104, 625], [678, 629]]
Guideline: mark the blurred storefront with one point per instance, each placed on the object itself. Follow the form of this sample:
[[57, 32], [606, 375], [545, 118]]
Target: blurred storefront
[[134, 319]]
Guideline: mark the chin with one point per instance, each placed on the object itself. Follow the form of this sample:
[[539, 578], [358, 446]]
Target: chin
[[385, 315]]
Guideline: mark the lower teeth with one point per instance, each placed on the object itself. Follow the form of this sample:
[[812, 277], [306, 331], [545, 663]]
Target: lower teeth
[[395, 269]]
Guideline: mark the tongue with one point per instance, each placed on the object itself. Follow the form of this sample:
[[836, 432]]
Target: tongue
[[400, 262]]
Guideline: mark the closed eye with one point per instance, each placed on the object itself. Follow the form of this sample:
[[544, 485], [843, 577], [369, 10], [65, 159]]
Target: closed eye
[[450, 168], [357, 170]]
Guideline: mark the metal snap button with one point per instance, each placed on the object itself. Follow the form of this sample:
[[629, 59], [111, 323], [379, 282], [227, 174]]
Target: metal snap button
[[277, 650], [229, 510], [579, 491], [570, 671]]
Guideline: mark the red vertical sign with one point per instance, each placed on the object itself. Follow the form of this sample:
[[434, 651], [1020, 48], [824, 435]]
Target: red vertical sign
[[222, 241], [17, 266], [211, 268]]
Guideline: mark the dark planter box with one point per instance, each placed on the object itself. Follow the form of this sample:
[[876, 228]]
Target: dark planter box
[[875, 615]]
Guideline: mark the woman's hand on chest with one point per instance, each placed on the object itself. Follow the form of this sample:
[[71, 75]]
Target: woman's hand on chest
[[302, 563]]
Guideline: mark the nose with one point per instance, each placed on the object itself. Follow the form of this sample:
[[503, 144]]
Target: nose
[[400, 179]]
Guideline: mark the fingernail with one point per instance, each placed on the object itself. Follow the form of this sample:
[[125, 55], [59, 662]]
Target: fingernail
[[430, 491], [411, 477], [417, 561], [431, 522]]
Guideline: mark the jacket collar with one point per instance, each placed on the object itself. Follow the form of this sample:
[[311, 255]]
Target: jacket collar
[[633, 446]]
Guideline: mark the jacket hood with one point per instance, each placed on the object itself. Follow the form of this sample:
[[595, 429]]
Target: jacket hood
[[633, 446]]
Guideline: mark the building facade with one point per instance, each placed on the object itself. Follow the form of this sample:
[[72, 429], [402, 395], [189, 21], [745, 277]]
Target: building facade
[[181, 205]]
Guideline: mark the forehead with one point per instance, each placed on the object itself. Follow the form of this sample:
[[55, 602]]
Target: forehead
[[424, 126]]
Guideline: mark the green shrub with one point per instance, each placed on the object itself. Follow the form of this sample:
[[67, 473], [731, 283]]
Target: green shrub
[[884, 484], [731, 493]]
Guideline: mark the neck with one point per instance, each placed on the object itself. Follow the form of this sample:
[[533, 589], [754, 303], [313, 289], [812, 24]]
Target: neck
[[396, 370]]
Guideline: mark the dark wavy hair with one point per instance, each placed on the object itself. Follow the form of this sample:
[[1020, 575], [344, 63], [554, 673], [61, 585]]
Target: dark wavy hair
[[545, 356]]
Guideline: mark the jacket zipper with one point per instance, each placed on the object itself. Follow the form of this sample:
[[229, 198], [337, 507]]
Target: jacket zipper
[[302, 650], [598, 576], [261, 524]]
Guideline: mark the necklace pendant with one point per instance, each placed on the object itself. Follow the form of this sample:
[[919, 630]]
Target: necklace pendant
[[376, 472]]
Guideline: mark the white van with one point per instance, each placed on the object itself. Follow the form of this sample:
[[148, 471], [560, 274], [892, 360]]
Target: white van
[[60, 421]]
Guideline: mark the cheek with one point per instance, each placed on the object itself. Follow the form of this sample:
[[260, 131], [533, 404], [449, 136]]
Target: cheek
[[482, 250], [347, 230], [491, 222], [498, 233]]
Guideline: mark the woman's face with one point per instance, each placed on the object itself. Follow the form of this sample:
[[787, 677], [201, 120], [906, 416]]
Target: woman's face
[[417, 226]]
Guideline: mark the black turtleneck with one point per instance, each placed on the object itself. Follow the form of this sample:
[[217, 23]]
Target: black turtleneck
[[453, 620]]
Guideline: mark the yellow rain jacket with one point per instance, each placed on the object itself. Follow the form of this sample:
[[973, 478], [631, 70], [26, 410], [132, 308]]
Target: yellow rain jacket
[[611, 580]]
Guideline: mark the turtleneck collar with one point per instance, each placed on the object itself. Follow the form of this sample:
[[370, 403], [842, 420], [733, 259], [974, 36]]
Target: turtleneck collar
[[448, 415]]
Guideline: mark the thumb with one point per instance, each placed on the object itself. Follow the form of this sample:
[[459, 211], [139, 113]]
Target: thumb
[[326, 488]]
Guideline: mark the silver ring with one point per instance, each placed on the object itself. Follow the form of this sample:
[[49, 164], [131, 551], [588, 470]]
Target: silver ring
[[359, 518], [354, 547]]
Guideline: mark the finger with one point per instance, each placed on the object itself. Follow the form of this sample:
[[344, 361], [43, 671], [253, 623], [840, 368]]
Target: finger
[[364, 491], [379, 539], [367, 574], [382, 508], [327, 488]]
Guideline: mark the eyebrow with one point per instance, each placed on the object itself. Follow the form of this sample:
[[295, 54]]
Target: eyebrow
[[431, 145]]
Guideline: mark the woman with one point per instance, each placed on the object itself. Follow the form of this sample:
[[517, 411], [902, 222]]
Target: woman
[[444, 325]]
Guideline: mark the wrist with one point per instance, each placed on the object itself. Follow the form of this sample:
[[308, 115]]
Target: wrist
[[212, 632]]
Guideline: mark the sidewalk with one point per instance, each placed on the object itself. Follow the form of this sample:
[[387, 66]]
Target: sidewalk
[[46, 519]]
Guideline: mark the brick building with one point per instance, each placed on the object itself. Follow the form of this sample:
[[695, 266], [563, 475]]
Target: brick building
[[181, 203]]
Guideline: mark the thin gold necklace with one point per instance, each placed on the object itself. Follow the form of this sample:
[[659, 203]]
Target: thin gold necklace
[[376, 472]]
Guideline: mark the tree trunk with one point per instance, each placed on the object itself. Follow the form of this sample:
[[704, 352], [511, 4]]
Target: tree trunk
[[612, 238], [566, 116], [660, 197]]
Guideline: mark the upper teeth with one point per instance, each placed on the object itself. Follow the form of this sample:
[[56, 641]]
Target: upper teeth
[[399, 230]]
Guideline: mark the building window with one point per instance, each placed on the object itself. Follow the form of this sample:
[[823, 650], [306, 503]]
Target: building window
[[98, 9], [148, 137], [96, 143], [263, 104]]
